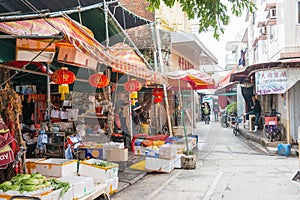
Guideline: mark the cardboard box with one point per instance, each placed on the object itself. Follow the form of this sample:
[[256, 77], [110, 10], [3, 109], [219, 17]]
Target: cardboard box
[[100, 174], [56, 167], [71, 55], [81, 186], [119, 145], [27, 49], [116, 154]]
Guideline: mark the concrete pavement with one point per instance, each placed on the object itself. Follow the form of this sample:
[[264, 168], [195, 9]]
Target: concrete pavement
[[128, 176]]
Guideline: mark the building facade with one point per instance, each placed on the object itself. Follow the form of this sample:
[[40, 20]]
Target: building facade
[[273, 60]]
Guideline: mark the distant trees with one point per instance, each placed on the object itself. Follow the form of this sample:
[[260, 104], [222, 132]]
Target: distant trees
[[210, 13]]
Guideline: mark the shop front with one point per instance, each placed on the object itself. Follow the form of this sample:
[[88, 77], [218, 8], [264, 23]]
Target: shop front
[[277, 86]]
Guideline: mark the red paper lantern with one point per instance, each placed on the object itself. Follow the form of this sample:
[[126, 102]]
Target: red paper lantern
[[133, 85], [63, 76], [98, 80], [158, 99], [157, 92]]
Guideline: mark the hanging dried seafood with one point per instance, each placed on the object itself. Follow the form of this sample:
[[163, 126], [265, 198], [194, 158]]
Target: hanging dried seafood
[[11, 111]]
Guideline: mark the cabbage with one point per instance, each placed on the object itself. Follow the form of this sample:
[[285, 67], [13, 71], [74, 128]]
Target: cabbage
[[6, 183], [31, 181], [19, 177], [28, 188], [13, 187]]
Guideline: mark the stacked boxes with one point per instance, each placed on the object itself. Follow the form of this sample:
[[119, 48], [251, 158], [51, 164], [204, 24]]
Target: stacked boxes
[[101, 174]]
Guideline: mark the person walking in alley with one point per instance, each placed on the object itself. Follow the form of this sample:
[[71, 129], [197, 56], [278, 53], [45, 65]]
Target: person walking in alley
[[255, 110], [206, 112], [216, 110]]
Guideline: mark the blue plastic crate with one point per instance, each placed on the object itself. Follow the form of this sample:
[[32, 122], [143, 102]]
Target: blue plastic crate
[[284, 149]]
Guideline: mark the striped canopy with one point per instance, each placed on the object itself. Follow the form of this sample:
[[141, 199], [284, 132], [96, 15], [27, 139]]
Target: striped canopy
[[190, 79], [121, 57]]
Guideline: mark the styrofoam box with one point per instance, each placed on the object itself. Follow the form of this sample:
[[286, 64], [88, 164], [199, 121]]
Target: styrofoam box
[[167, 151], [112, 185], [177, 161], [159, 165], [81, 186], [100, 174], [31, 164], [56, 167], [119, 145]]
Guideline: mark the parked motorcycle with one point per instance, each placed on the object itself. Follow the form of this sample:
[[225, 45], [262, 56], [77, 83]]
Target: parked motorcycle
[[237, 120], [273, 130], [224, 119]]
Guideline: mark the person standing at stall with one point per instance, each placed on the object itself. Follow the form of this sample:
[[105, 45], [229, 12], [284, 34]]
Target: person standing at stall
[[255, 110]]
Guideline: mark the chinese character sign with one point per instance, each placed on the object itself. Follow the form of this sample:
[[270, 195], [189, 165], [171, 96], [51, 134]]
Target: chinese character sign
[[271, 81]]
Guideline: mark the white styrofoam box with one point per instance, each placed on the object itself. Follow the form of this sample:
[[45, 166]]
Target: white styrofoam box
[[106, 146], [56, 167], [81, 186], [149, 152], [139, 150], [167, 151], [31, 164], [112, 185], [100, 174], [177, 161], [159, 165]]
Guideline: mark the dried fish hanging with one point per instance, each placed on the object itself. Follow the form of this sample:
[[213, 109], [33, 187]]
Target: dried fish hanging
[[11, 111]]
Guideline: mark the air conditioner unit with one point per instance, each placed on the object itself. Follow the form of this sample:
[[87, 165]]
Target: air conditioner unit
[[272, 13]]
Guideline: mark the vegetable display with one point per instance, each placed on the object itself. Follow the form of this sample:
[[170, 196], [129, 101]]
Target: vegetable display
[[33, 182], [104, 164]]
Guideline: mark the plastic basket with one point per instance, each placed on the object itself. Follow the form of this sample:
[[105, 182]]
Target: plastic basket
[[270, 120]]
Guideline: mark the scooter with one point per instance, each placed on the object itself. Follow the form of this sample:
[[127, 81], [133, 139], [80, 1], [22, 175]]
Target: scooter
[[224, 120], [273, 130], [237, 120]]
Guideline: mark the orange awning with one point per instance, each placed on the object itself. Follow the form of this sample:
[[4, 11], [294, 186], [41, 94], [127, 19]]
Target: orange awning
[[197, 80], [82, 39]]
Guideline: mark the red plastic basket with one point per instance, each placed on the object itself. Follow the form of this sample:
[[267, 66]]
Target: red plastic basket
[[270, 120]]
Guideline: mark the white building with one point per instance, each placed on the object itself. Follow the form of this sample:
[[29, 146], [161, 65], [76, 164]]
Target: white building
[[274, 59]]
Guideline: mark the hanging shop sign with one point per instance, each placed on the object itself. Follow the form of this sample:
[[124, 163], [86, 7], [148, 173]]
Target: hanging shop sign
[[98, 80], [133, 85], [271, 81]]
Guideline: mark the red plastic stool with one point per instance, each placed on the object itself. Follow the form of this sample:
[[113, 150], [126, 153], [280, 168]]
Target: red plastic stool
[[137, 136]]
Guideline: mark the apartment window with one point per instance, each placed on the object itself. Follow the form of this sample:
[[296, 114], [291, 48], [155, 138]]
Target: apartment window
[[255, 54], [298, 12], [273, 33]]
